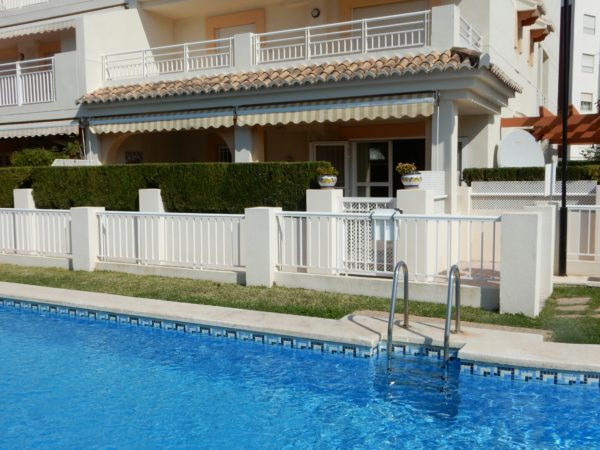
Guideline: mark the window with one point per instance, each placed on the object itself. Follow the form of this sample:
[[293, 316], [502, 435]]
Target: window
[[224, 154], [134, 157], [587, 101], [587, 63], [589, 24]]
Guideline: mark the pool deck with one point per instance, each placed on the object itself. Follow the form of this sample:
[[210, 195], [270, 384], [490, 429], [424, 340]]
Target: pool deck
[[476, 343]]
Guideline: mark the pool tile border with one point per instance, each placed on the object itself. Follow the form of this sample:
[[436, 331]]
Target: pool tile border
[[500, 371]]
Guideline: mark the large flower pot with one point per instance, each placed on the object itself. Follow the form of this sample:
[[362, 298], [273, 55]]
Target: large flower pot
[[327, 181], [412, 180]]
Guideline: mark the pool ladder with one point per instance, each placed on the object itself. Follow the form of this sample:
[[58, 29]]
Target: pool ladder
[[453, 293]]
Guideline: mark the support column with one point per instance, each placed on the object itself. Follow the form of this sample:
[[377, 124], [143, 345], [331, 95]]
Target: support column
[[85, 245], [249, 144], [92, 146], [151, 228], [261, 245], [23, 199], [548, 230], [520, 264], [444, 148], [322, 232]]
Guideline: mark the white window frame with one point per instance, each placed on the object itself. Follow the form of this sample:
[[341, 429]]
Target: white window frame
[[589, 29], [588, 68], [591, 102]]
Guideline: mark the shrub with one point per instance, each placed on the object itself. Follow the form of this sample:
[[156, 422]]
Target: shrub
[[34, 157], [575, 172], [210, 188], [12, 178]]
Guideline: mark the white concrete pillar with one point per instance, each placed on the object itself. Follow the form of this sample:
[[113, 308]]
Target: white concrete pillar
[[85, 245], [92, 146], [445, 148], [261, 239], [597, 226], [445, 27], [243, 52], [464, 200], [151, 201], [23, 199], [249, 144], [548, 230], [419, 252], [520, 263], [322, 233], [415, 201], [151, 228]]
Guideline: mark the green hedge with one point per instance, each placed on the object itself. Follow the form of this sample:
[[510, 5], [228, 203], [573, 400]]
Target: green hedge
[[576, 172], [209, 188]]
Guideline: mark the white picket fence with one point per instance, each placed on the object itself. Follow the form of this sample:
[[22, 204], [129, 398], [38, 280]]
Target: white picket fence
[[36, 232], [196, 241], [359, 244]]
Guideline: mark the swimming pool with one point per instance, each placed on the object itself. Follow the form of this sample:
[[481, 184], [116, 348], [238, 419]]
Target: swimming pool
[[77, 383]]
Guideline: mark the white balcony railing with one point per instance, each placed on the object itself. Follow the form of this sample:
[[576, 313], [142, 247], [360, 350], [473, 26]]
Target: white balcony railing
[[216, 54], [6, 5], [345, 38], [27, 82], [469, 36], [375, 36]]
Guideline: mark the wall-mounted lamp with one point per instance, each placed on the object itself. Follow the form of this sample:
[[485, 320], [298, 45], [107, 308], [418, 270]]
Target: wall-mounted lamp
[[315, 12]]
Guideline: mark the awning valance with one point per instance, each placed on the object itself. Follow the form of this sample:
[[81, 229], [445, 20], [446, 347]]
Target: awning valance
[[190, 120], [66, 127], [44, 27], [390, 107]]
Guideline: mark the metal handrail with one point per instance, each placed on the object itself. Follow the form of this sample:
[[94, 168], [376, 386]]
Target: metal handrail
[[401, 265], [453, 276]]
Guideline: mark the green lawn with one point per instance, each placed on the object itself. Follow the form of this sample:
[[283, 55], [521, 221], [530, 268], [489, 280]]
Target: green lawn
[[300, 301]]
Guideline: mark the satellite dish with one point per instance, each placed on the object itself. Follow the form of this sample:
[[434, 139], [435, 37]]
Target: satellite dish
[[520, 149]]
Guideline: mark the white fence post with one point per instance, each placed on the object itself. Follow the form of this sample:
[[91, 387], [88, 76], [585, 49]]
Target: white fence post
[[322, 236], [85, 238], [419, 254], [153, 229], [520, 263], [23, 199], [547, 217], [261, 236]]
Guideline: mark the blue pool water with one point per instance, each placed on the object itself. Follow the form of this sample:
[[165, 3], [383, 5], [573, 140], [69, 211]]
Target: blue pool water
[[74, 383]]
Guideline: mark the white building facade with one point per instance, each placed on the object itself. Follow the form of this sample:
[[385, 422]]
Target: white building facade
[[363, 83], [586, 61]]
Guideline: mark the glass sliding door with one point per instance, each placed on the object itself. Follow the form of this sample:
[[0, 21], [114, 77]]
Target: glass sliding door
[[373, 169]]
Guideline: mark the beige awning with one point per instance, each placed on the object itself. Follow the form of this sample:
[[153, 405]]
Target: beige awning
[[196, 120], [39, 28], [65, 127], [371, 108]]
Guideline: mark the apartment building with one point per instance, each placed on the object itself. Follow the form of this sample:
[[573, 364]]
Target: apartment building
[[362, 83], [586, 61]]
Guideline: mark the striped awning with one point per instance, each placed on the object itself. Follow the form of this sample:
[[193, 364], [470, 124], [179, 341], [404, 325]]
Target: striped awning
[[355, 109], [64, 127], [39, 28], [190, 120]]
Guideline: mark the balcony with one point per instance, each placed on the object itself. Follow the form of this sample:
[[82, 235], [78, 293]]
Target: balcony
[[6, 5], [27, 82], [389, 35]]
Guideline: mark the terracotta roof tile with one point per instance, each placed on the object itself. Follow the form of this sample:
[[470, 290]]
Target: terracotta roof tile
[[453, 59]]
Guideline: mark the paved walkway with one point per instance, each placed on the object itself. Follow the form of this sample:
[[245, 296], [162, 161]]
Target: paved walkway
[[477, 343]]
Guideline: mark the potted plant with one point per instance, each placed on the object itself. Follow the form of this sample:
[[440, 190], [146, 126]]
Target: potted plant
[[411, 177], [327, 176]]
